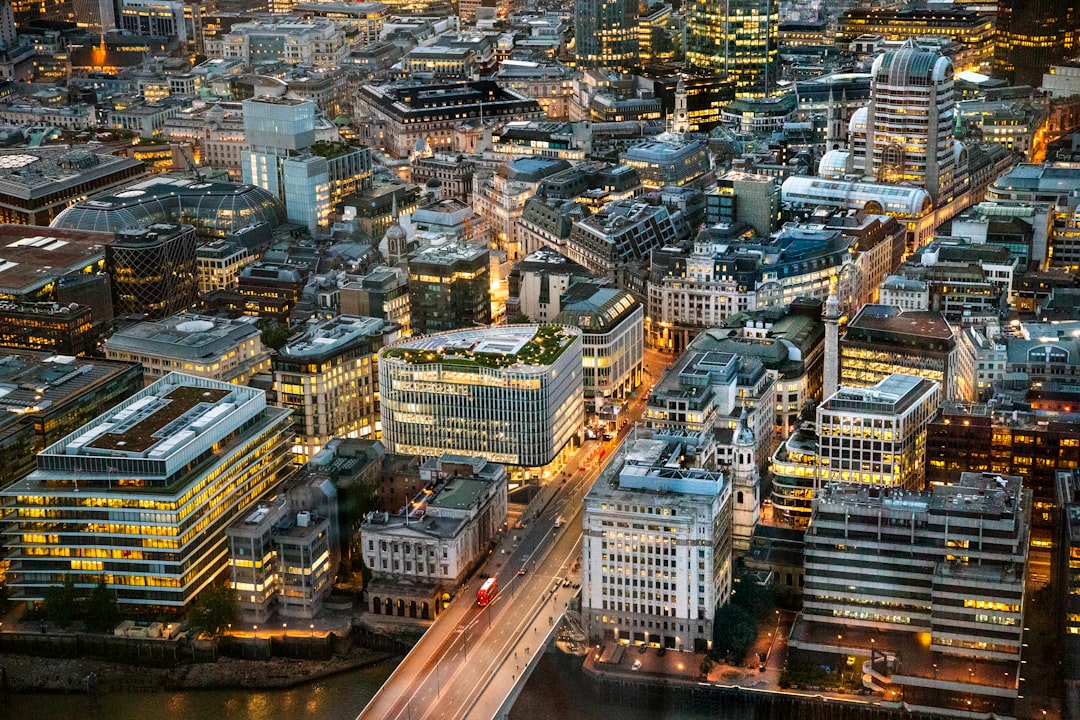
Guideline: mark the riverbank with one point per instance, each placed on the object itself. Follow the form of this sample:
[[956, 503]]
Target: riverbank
[[25, 674]]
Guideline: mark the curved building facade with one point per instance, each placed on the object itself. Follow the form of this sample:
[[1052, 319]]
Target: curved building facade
[[910, 122], [511, 394], [153, 270], [214, 209]]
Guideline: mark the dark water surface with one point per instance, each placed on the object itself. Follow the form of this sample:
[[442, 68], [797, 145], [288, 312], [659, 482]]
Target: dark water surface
[[555, 691]]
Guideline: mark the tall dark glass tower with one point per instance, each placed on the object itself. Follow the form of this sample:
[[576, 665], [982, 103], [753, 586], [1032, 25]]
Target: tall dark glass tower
[[1032, 35], [606, 33], [739, 38]]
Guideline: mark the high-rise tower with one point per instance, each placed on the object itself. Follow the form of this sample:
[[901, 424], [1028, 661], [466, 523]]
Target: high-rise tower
[[1032, 35], [906, 134], [606, 33], [737, 37]]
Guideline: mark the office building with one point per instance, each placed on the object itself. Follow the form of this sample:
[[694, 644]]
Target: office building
[[219, 264], [737, 38], [1013, 437], [452, 174], [625, 232], [511, 394], [63, 329], [282, 557], [656, 548], [383, 293], [430, 113], [877, 434], [36, 184], [911, 95], [882, 340], [153, 270], [790, 342], [539, 281], [1045, 196], [1032, 37], [270, 291], [500, 197], [745, 198], [612, 342], [734, 271], [449, 287], [970, 27], [432, 543], [215, 209], [195, 453], [366, 19], [550, 83], [942, 630], [592, 184], [701, 397], [318, 43], [211, 347], [968, 284], [671, 161], [1066, 547], [329, 378], [888, 431], [46, 396], [283, 158], [606, 34]]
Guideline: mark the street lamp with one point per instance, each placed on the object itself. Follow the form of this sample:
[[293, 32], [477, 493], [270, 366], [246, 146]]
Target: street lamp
[[312, 626], [256, 627]]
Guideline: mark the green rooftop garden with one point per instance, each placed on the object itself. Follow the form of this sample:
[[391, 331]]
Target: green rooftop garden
[[330, 150], [543, 349]]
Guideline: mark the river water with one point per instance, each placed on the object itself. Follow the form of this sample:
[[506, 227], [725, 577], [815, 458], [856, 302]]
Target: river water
[[552, 692]]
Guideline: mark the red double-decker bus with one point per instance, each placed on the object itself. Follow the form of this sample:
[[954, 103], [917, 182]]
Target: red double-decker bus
[[487, 592]]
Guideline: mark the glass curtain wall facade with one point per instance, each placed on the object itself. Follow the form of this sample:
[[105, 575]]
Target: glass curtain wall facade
[[515, 413], [606, 33], [140, 497], [740, 38]]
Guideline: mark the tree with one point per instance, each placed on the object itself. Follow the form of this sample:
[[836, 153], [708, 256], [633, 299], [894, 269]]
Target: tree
[[275, 336], [734, 630], [60, 601], [102, 612], [216, 608]]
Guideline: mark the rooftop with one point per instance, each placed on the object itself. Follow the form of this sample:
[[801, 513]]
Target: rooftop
[[893, 394], [35, 172], [187, 335], [154, 437], [495, 347], [33, 381], [335, 335], [892, 319], [33, 256]]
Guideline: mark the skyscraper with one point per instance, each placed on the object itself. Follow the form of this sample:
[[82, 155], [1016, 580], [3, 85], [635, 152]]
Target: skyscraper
[[906, 133], [738, 37], [606, 33], [1032, 35], [910, 121]]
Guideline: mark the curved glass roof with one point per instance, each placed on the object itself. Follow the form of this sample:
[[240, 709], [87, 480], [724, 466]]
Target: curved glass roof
[[215, 209]]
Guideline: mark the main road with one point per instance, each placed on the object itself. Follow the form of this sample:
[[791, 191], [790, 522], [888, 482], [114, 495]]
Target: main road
[[471, 660]]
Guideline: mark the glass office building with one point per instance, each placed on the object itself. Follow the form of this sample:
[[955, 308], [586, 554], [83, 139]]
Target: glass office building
[[140, 496], [511, 394]]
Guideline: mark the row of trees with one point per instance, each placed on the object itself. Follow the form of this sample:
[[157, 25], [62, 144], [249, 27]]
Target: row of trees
[[215, 609]]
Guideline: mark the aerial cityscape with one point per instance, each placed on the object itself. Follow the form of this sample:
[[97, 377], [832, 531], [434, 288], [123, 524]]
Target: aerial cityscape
[[514, 359]]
